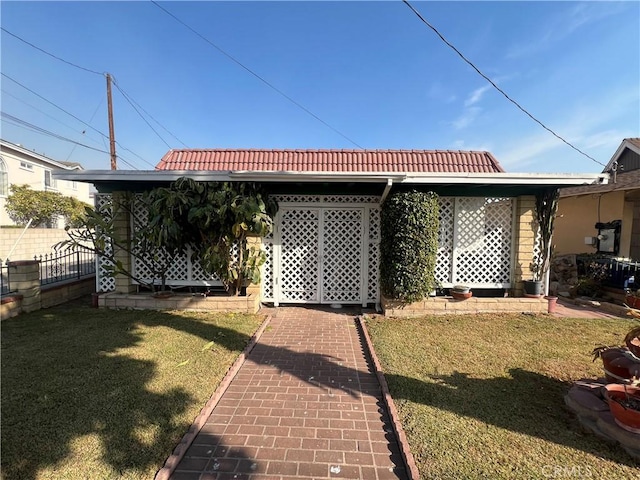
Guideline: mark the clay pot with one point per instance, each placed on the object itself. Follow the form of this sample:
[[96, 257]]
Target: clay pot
[[461, 296], [618, 366], [627, 417]]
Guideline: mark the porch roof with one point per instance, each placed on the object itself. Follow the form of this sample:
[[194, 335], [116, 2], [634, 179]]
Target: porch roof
[[380, 183]]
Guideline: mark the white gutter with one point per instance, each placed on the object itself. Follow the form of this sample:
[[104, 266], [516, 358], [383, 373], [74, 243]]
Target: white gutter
[[541, 179], [387, 189]]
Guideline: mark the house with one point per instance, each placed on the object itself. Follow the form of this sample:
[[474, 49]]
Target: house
[[325, 246], [20, 166], [604, 218]]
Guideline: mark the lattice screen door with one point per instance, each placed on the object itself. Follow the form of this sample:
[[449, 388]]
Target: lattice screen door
[[320, 258]]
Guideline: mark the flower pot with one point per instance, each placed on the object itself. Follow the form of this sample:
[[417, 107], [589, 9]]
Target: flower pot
[[632, 301], [624, 403], [460, 289], [461, 296], [532, 288], [618, 365], [551, 306]]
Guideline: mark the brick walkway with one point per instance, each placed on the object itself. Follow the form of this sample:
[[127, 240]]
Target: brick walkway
[[304, 405]]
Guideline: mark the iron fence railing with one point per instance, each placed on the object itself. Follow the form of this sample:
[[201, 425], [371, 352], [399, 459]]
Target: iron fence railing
[[611, 272], [60, 267], [5, 277]]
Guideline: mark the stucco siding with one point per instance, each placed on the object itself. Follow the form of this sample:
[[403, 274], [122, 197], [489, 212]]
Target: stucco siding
[[578, 215]]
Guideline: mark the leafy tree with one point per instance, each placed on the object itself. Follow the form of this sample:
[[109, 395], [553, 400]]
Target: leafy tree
[[43, 207]]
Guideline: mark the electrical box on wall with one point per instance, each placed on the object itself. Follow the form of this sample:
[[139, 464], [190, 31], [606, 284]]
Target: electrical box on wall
[[609, 236]]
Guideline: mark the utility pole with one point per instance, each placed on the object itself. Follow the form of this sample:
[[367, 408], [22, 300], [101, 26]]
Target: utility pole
[[112, 135]]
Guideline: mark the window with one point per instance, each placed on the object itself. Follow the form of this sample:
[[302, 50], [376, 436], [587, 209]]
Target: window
[[74, 185], [26, 166], [4, 179], [49, 181]]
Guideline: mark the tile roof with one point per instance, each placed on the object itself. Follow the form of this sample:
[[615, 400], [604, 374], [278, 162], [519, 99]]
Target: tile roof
[[409, 161], [635, 141]]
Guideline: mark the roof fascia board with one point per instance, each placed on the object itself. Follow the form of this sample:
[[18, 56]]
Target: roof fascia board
[[36, 156], [625, 144], [543, 179]]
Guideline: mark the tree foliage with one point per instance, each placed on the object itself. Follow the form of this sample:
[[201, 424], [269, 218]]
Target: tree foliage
[[43, 207], [409, 245], [217, 218]]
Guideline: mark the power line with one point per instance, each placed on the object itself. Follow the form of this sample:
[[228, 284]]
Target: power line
[[126, 97], [73, 116], [50, 54], [130, 99], [270, 85], [496, 86]]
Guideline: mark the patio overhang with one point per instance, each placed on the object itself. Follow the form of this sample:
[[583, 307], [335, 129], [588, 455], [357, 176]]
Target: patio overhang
[[376, 182]]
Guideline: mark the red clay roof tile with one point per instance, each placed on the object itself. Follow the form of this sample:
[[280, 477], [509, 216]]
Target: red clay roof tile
[[409, 161]]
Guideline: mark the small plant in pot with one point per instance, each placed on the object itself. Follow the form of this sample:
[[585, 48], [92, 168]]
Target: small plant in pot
[[621, 363], [461, 292], [624, 403]]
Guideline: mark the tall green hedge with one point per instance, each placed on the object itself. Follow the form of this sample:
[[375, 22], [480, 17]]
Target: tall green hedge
[[409, 245]]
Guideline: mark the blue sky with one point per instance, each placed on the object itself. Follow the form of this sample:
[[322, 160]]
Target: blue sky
[[371, 70]]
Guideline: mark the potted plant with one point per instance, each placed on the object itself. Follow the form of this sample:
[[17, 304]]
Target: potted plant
[[632, 298], [461, 292], [621, 363], [546, 208], [624, 403]]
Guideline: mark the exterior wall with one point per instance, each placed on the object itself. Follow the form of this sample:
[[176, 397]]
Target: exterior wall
[[62, 293], [578, 215], [35, 178], [35, 241], [524, 226], [634, 247], [627, 229]]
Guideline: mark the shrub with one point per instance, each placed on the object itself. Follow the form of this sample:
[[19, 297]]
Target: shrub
[[409, 245]]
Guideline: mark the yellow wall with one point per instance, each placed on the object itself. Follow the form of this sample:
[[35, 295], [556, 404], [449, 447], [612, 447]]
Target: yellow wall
[[578, 215]]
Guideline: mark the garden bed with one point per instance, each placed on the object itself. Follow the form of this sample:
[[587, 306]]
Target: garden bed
[[181, 301], [442, 305]]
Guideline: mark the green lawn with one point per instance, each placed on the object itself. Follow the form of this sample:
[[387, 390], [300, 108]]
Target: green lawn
[[103, 394], [481, 396]]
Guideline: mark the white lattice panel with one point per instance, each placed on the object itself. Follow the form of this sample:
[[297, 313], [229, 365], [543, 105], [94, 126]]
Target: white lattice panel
[[104, 280], [445, 240], [337, 199], [266, 285], [373, 263], [342, 255], [482, 247], [299, 255]]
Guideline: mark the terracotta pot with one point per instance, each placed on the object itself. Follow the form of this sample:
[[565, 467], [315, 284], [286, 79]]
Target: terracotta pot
[[461, 296], [619, 367], [551, 306], [632, 301], [627, 418]]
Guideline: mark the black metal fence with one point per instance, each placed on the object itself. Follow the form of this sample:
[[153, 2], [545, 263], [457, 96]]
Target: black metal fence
[[611, 272], [66, 266], [5, 278]]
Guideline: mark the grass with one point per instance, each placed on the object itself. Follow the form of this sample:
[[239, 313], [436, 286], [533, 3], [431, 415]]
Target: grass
[[482, 396], [105, 394]]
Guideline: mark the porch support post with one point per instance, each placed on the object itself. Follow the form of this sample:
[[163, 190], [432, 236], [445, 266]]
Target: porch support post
[[122, 231], [254, 288], [524, 232]]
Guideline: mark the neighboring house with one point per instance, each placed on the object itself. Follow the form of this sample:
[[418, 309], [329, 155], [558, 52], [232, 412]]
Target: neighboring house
[[604, 218], [20, 166], [325, 246]]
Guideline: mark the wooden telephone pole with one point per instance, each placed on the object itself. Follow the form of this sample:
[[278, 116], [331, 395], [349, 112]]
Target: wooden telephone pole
[[112, 135]]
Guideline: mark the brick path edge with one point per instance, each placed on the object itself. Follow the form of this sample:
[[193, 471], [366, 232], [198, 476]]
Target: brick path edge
[[407, 456], [172, 462]]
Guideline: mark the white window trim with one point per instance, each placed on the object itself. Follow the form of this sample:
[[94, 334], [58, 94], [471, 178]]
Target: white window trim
[[54, 183], [26, 166]]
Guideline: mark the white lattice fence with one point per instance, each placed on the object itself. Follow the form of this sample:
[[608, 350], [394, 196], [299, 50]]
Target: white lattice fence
[[342, 252], [185, 270], [475, 241], [326, 250], [104, 280]]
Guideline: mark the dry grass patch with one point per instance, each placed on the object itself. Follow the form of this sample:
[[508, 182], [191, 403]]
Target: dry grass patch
[[481, 396], [105, 394]]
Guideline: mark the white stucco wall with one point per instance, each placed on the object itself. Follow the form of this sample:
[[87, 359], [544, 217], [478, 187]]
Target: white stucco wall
[[24, 168]]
